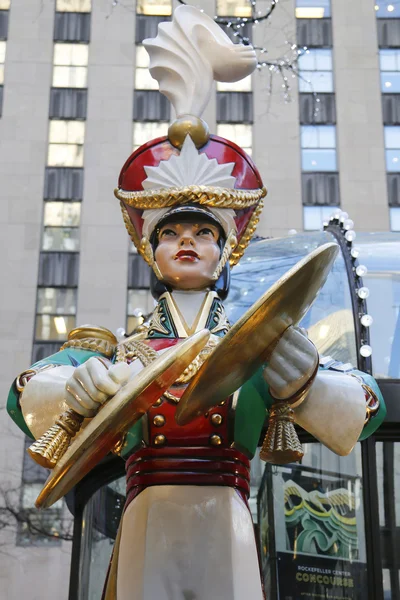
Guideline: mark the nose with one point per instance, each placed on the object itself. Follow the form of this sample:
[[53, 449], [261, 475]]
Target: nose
[[186, 238]]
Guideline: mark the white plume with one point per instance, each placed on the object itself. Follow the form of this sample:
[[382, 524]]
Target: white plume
[[189, 53]]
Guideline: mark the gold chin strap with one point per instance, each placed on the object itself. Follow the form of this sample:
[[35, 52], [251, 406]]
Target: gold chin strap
[[230, 244]]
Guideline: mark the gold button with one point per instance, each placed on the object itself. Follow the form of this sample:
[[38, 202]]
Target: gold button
[[215, 440], [222, 403], [157, 402], [160, 440], [216, 419], [159, 420]]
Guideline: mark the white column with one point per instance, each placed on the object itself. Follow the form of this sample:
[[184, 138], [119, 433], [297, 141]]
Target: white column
[[108, 143], [360, 142], [276, 133]]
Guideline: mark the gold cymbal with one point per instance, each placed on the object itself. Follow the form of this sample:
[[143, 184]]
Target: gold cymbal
[[251, 340], [118, 415]]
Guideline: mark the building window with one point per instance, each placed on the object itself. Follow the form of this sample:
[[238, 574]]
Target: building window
[[2, 60], [390, 71], [392, 146], [70, 65], [55, 313], [72, 27], [66, 143], [318, 148], [143, 79], [315, 70], [73, 5], [313, 9], [394, 214], [234, 107], [387, 10], [61, 226], [234, 8], [315, 216], [143, 132], [237, 133], [153, 7], [245, 85], [5, 4]]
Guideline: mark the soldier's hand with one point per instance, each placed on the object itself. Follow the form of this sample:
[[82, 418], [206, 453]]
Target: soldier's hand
[[94, 382], [292, 364]]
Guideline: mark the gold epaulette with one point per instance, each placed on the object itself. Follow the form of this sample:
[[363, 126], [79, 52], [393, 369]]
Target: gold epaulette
[[96, 339]]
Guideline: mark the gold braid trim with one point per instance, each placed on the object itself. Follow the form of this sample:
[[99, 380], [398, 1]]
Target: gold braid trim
[[143, 246], [247, 235], [216, 197], [135, 349], [93, 344]]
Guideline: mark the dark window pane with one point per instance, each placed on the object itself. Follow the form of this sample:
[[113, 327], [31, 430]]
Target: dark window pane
[[68, 103], [72, 27], [146, 26], [393, 183], [320, 189], [388, 33], [3, 24], [234, 107], [58, 269], [62, 183], [314, 32], [150, 105], [139, 272], [391, 109], [320, 108], [42, 350]]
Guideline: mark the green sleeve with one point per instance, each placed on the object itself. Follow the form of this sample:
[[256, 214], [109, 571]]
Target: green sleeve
[[69, 356], [379, 415]]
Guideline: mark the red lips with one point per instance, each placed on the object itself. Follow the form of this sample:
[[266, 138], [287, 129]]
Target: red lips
[[190, 255]]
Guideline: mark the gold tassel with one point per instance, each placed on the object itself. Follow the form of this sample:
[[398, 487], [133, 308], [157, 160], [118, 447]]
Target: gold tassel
[[53, 444], [281, 444]]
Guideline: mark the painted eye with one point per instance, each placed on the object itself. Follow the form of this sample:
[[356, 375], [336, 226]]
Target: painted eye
[[168, 232], [205, 231]]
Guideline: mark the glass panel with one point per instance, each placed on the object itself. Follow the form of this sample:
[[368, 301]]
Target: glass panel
[[318, 136], [61, 238], [390, 82], [140, 300], [244, 85], [318, 160], [389, 60], [234, 8], [3, 46], [393, 160], [239, 134], [65, 155], [56, 301], [318, 521], [380, 253], [387, 10], [73, 5], [5, 4], [67, 132], [314, 216], [388, 473], [317, 59], [72, 77], [101, 518], [75, 55], [313, 9], [316, 81], [329, 321], [153, 7], [53, 328], [65, 214], [144, 132], [394, 219]]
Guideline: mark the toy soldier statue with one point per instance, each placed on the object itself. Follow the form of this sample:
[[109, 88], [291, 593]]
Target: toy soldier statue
[[191, 202]]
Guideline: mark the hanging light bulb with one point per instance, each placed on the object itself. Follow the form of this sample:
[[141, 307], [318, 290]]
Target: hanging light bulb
[[366, 320], [361, 270], [344, 214], [365, 350], [355, 251], [350, 235], [363, 293]]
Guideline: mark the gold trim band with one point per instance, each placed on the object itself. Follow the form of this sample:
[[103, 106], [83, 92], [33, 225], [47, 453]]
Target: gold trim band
[[216, 197]]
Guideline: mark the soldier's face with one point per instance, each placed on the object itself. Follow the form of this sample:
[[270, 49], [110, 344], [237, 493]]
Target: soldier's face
[[188, 254]]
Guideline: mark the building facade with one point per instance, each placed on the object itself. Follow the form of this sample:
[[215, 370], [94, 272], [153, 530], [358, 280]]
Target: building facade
[[75, 99]]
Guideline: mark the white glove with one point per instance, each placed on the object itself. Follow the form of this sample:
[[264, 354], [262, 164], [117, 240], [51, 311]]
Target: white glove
[[92, 384], [292, 364]]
